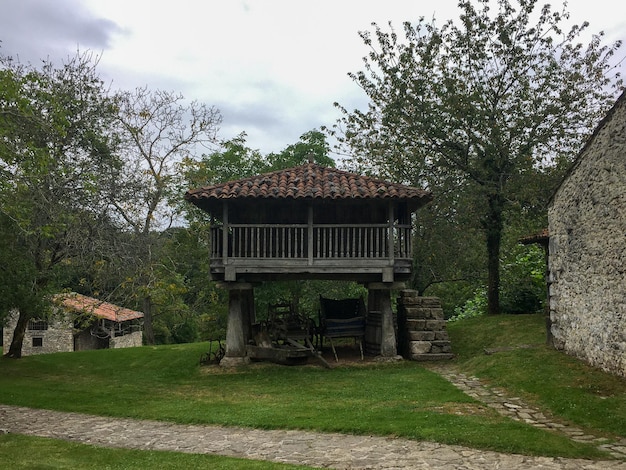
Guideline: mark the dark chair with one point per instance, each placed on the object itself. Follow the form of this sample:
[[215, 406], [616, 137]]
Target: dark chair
[[343, 318]]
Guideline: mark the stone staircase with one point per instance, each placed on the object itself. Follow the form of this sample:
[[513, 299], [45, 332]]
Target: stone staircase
[[422, 334]]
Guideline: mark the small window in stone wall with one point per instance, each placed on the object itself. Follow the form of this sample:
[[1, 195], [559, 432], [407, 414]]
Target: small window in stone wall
[[37, 325], [37, 342]]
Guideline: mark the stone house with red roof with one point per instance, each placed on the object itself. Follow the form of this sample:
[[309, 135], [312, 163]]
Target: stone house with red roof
[[79, 323], [587, 250], [309, 222]]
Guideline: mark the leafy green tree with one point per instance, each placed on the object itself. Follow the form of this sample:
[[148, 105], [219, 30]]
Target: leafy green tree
[[312, 146], [447, 245], [233, 160], [190, 307], [524, 284], [480, 102], [55, 156], [17, 272]]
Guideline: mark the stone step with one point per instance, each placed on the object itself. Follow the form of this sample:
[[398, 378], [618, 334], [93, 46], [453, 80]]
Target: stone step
[[427, 336], [432, 357], [429, 347]]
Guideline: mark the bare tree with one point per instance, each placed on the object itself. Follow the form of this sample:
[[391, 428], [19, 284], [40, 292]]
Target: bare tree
[[158, 130]]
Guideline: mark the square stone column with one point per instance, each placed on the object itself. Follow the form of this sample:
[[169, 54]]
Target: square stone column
[[379, 304], [240, 317]]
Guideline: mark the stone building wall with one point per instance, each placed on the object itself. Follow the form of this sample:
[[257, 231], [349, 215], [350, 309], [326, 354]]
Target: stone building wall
[[129, 340], [587, 251], [60, 336], [57, 337]]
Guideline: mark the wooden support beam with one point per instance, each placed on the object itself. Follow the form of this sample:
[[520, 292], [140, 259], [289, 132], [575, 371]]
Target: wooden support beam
[[310, 235]]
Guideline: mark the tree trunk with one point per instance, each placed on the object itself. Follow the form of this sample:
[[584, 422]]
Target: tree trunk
[[148, 331], [15, 349], [493, 226], [493, 267]]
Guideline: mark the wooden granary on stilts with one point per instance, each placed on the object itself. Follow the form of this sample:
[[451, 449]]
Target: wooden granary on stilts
[[309, 222]]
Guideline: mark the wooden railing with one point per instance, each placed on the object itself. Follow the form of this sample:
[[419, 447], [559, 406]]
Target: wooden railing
[[311, 242]]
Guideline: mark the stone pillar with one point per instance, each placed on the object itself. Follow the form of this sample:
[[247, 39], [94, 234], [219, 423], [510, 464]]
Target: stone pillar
[[379, 304], [240, 315]]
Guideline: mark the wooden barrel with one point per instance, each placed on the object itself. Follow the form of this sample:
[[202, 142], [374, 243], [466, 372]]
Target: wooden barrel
[[373, 333]]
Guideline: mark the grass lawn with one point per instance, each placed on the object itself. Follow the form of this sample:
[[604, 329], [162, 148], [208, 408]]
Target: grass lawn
[[402, 399], [32, 453]]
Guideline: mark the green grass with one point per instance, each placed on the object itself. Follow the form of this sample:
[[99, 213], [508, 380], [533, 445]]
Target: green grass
[[402, 399], [37, 453]]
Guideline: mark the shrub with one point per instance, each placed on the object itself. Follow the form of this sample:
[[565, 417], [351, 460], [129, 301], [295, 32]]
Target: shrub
[[523, 287], [473, 307]]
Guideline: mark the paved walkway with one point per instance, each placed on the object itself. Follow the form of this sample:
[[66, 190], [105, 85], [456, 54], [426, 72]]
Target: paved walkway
[[307, 448]]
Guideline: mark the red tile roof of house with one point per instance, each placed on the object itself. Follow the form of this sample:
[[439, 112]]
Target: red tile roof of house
[[83, 304], [309, 181], [540, 237]]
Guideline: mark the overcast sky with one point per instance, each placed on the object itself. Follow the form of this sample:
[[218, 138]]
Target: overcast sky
[[272, 67]]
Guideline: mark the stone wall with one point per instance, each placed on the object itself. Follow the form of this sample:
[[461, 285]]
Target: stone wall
[[587, 251], [58, 337], [61, 337], [129, 340], [422, 334]]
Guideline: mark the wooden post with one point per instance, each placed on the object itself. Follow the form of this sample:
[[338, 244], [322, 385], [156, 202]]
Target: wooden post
[[225, 235], [310, 235], [390, 237]]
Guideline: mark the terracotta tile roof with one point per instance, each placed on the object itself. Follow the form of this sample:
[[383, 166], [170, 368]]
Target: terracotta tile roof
[[83, 304], [540, 237], [309, 181]]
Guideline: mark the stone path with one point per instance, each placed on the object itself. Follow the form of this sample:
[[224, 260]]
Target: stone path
[[309, 448]]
